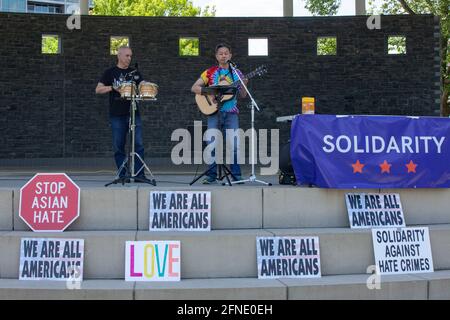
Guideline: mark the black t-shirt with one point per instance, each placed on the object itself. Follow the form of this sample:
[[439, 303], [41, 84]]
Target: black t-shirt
[[116, 76]]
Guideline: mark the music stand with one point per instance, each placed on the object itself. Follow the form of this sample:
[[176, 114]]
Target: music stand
[[132, 154], [218, 92]]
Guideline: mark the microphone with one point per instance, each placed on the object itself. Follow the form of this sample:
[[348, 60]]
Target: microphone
[[134, 71], [136, 77], [232, 63]]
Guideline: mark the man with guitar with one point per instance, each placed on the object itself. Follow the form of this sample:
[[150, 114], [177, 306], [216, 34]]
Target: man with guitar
[[227, 116]]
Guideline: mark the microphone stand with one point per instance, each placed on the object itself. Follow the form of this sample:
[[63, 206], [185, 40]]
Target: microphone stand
[[252, 177]]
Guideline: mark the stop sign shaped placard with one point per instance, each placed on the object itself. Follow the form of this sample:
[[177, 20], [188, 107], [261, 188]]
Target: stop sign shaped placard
[[49, 202]]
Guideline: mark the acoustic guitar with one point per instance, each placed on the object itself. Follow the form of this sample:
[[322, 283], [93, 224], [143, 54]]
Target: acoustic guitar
[[207, 103]]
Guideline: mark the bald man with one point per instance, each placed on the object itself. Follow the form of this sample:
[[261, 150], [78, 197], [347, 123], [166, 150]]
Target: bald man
[[119, 109]]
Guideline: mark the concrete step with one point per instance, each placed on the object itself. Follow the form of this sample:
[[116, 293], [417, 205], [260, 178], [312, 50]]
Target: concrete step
[[314, 208], [426, 286], [238, 207], [6, 207], [104, 251], [220, 253], [127, 208], [12, 289]]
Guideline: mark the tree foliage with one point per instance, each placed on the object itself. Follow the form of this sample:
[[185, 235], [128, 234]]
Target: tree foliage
[[438, 8], [175, 8], [118, 42], [323, 7], [189, 47], [326, 46], [50, 45]]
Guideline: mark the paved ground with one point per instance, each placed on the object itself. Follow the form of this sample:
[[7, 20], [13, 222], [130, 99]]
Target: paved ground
[[98, 176]]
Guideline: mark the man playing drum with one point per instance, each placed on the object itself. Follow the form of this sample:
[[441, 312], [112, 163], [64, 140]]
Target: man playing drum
[[117, 80]]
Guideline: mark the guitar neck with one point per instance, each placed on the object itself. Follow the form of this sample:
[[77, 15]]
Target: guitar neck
[[247, 76]]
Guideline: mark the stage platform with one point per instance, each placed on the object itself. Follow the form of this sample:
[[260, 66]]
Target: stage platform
[[221, 264]]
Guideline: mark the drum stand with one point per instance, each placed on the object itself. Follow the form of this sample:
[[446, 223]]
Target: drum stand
[[132, 154]]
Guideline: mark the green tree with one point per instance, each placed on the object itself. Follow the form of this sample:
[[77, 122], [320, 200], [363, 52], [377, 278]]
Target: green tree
[[326, 46], [166, 8], [176, 8], [189, 47], [50, 45], [438, 8], [116, 43]]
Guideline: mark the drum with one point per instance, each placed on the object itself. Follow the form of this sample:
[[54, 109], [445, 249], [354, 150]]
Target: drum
[[125, 90], [148, 89]]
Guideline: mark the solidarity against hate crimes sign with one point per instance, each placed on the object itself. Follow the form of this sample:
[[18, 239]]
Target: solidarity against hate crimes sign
[[368, 210], [180, 210], [288, 257], [403, 250], [51, 259], [152, 261]]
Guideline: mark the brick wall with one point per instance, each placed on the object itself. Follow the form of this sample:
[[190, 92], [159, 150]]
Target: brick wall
[[49, 108]]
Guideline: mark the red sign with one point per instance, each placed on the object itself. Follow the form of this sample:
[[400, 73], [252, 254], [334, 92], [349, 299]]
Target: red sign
[[49, 202]]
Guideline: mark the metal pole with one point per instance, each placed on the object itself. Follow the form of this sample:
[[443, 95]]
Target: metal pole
[[288, 8], [84, 7], [360, 7], [133, 128]]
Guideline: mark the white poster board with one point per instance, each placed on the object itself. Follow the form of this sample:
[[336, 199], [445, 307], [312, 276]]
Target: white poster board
[[180, 211], [403, 250], [288, 257], [374, 210], [152, 261], [51, 259]]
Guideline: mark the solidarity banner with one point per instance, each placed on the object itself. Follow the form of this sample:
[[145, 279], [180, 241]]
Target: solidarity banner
[[371, 151]]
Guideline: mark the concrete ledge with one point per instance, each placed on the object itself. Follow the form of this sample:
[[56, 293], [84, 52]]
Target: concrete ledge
[[438, 284], [440, 246], [354, 287], [219, 253], [104, 252], [344, 287], [215, 254], [6, 209], [100, 209], [424, 206], [212, 289], [232, 208], [11, 289], [342, 250], [314, 208], [306, 207], [347, 251], [239, 207]]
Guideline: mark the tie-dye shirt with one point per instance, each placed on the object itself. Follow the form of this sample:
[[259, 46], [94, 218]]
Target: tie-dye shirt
[[214, 75]]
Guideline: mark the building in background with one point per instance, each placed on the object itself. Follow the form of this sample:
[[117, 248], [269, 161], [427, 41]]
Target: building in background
[[39, 6]]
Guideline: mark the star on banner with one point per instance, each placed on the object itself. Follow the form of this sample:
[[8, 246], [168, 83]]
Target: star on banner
[[385, 167], [357, 167], [411, 166]]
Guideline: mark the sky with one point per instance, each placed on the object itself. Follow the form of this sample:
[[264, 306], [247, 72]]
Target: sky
[[264, 8]]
